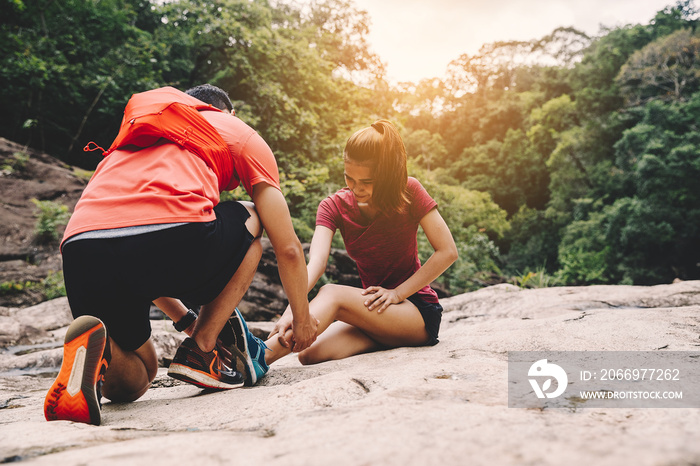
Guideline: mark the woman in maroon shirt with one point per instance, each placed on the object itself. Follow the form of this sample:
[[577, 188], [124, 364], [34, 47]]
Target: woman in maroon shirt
[[378, 214]]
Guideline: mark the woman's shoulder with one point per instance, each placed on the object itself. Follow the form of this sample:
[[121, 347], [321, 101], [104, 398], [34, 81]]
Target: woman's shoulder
[[343, 194], [414, 187], [420, 200], [340, 198]]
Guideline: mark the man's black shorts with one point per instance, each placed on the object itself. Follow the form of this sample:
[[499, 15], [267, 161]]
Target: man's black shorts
[[116, 279]]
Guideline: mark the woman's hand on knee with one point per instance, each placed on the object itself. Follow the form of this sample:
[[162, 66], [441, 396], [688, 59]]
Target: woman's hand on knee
[[379, 298]]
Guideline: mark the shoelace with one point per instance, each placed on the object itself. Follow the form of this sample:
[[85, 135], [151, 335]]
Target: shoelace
[[260, 353], [262, 343]]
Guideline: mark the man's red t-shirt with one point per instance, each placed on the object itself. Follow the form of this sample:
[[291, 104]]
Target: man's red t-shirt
[[385, 249], [165, 183]]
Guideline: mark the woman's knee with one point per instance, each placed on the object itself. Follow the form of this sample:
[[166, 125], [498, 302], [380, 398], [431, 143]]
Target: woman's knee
[[331, 292], [309, 356], [345, 301]]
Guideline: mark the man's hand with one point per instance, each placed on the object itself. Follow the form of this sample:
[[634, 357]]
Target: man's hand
[[292, 335], [379, 298], [283, 325], [304, 333]]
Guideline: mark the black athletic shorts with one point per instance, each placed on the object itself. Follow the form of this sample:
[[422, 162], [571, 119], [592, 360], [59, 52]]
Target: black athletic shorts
[[432, 315], [116, 279]]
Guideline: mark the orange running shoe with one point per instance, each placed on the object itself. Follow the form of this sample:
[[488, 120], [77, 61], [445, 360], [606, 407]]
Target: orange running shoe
[[75, 394]]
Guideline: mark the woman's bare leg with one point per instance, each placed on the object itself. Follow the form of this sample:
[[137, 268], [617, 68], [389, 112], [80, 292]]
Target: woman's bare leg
[[399, 325], [339, 341]]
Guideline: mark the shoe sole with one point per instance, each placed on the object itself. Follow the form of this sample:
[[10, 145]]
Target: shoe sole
[[240, 327], [198, 378], [73, 395]]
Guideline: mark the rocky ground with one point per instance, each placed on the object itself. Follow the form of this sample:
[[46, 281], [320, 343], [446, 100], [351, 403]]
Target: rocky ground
[[446, 404]]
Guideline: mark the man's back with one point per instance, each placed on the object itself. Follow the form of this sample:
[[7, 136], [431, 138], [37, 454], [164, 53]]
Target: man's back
[[171, 182]]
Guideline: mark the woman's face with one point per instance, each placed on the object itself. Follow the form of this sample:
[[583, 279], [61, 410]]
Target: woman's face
[[358, 178]]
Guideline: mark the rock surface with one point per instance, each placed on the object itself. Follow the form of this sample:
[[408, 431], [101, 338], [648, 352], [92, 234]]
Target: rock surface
[[446, 404]]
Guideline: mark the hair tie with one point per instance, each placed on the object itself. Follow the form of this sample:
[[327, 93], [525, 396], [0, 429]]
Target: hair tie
[[378, 127]]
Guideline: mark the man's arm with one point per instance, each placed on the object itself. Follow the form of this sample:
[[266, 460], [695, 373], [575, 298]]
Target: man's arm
[[318, 258], [277, 221]]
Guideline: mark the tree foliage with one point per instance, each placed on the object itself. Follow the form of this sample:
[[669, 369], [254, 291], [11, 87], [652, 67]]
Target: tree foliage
[[568, 154], [666, 69]]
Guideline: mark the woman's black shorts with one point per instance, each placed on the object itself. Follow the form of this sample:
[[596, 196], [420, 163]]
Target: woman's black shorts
[[432, 315], [116, 279]]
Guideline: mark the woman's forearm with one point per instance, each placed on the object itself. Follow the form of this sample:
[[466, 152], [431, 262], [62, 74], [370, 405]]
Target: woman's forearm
[[432, 269], [445, 254], [314, 270], [319, 251]]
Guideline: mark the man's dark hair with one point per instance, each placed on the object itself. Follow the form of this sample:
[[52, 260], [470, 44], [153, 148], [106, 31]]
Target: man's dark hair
[[211, 95]]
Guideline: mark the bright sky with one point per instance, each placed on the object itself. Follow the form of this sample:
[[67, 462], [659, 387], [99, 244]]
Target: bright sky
[[417, 39]]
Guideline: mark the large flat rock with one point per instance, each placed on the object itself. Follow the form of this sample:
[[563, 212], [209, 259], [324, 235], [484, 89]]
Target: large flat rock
[[442, 405]]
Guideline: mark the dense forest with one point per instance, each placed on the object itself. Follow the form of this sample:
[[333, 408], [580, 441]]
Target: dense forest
[[563, 160]]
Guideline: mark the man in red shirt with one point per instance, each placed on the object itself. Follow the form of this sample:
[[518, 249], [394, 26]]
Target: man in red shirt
[[149, 228]]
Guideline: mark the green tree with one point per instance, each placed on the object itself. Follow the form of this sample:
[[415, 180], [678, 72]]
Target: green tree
[[660, 155], [67, 68], [666, 69], [649, 236], [531, 243], [474, 221], [593, 79], [427, 149]]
